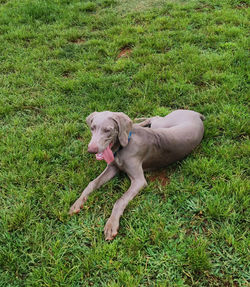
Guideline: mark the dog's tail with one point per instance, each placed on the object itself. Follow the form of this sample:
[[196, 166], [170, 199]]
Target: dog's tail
[[140, 119], [144, 122], [202, 117]]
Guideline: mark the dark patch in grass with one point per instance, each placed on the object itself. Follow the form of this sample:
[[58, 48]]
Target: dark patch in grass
[[78, 41], [242, 5], [159, 176], [66, 74], [125, 52]]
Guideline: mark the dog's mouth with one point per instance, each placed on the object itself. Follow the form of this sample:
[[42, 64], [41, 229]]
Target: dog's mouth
[[107, 154]]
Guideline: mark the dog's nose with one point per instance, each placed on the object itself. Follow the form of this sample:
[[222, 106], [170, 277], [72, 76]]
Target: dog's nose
[[92, 148]]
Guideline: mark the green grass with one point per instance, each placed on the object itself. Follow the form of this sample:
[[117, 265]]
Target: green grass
[[58, 63]]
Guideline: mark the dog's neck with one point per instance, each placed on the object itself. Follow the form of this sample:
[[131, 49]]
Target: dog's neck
[[117, 146]]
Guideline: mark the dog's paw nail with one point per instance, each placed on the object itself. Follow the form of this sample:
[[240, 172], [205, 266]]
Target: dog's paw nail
[[109, 238]]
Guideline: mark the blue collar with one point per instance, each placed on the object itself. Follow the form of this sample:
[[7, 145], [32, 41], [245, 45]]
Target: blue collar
[[129, 136]]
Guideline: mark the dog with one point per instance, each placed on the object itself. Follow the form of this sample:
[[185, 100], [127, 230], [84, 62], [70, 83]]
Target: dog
[[133, 148]]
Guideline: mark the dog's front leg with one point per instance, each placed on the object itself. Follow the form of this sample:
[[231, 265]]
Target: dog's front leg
[[138, 181], [110, 171]]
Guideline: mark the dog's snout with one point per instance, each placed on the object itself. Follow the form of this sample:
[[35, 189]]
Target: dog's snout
[[93, 148]]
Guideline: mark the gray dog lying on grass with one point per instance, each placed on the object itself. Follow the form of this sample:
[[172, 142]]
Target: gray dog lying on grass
[[154, 143]]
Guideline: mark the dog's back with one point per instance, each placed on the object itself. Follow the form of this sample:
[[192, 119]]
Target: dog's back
[[175, 118]]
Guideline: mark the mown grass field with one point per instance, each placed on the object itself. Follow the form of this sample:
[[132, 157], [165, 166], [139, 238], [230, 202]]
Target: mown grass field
[[62, 60]]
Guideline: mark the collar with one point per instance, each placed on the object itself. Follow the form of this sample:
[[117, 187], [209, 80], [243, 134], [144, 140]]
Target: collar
[[129, 137]]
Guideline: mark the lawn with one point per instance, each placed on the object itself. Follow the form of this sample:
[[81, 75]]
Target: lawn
[[62, 60]]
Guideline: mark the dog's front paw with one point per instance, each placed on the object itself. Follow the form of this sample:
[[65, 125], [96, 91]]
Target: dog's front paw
[[111, 229], [76, 207]]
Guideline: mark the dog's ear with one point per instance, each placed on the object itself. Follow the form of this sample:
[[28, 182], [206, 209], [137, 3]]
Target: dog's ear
[[124, 125], [90, 118]]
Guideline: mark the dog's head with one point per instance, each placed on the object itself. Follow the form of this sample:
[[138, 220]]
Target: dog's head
[[107, 128]]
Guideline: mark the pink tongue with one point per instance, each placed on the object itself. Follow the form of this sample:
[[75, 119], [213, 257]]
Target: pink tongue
[[107, 155]]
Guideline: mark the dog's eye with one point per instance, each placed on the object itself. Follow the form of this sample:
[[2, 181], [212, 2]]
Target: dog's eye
[[93, 128], [106, 130]]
